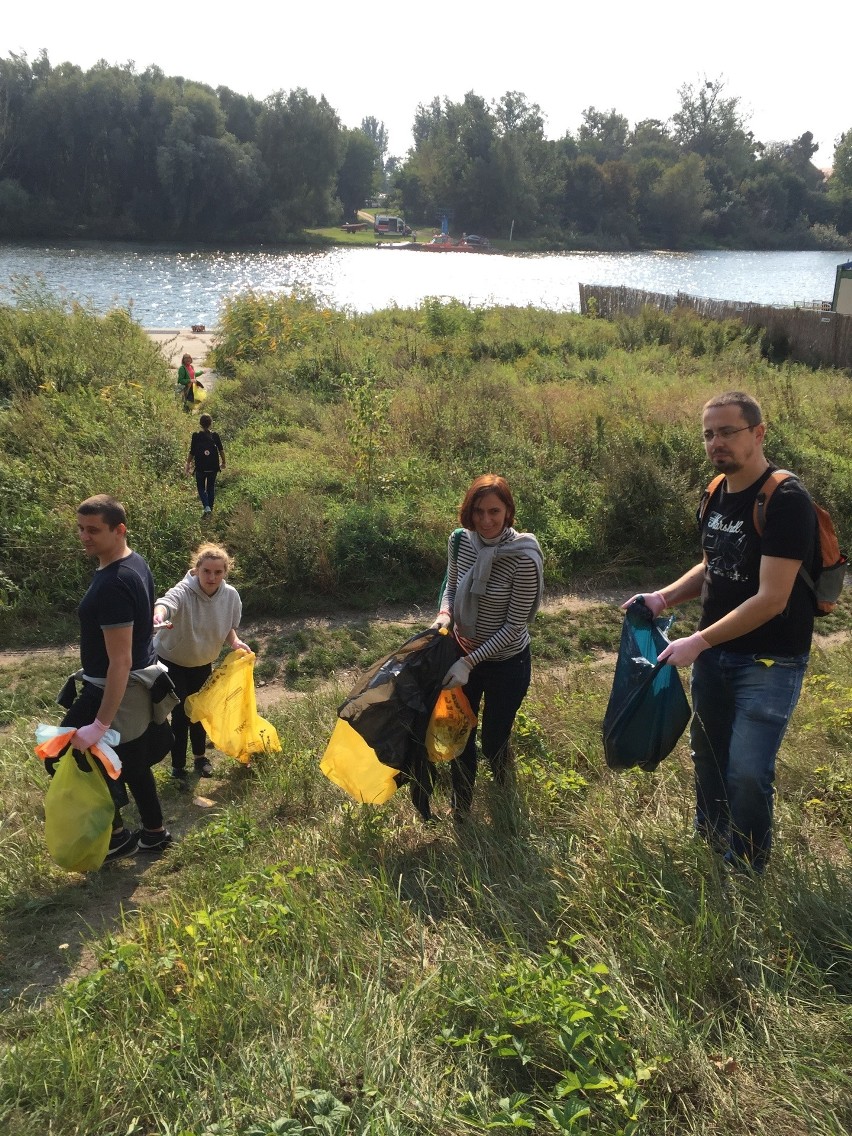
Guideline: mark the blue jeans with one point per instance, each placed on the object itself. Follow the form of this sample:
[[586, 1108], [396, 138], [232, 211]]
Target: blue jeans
[[206, 483], [742, 705]]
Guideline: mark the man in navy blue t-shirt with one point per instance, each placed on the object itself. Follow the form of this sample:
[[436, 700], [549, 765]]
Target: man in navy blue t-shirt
[[757, 616], [116, 646]]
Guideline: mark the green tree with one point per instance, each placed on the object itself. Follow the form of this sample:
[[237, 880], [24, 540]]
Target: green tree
[[300, 142], [840, 182], [679, 198], [358, 173], [603, 135]]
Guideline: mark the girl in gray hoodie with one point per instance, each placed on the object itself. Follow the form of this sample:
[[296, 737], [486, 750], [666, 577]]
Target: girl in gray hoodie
[[191, 622]]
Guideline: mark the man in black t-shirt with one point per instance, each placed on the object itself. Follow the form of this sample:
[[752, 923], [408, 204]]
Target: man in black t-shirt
[[119, 668], [751, 650]]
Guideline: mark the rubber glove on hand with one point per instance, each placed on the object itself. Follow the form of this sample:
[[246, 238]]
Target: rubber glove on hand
[[684, 652], [654, 601], [90, 735], [443, 620], [457, 675], [239, 645]]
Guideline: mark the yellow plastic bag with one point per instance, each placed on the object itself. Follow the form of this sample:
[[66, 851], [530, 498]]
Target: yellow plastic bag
[[352, 765], [227, 709], [78, 815], [450, 725]]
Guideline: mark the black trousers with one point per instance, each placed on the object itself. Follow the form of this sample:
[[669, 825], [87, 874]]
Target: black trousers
[[137, 759], [503, 684], [187, 680]]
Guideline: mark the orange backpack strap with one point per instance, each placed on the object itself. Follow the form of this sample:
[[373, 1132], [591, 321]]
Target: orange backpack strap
[[708, 494], [776, 478]]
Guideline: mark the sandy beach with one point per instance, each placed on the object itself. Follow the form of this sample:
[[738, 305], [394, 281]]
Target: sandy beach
[[176, 343]]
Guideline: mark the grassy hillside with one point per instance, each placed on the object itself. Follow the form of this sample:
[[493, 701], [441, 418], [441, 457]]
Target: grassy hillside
[[572, 961]]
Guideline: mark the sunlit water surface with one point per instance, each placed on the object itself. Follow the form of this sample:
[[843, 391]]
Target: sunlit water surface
[[169, 286]]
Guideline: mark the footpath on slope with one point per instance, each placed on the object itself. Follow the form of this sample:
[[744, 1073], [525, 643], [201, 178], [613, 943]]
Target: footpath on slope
[[46, 942], [174, 343]]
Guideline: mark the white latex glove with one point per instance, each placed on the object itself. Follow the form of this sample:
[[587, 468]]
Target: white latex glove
[[442, 620], [90, 735], [654, 601], [457, 675], [684, 652]]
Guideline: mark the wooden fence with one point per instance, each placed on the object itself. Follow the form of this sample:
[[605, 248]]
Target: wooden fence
[[818, 338]]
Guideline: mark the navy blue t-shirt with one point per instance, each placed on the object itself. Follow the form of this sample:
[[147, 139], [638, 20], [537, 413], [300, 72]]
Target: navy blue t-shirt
[[733, 550], [120, 595]]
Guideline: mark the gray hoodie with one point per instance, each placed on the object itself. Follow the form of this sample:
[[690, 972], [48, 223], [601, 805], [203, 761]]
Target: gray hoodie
[[201, 622]]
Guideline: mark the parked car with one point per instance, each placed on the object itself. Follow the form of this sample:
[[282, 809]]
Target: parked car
[[391, 226], [474, 239]]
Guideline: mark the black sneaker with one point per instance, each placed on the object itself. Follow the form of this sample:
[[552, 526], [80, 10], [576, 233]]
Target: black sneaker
[[179, 774], [203, 767], [154, 841], [122, 843]]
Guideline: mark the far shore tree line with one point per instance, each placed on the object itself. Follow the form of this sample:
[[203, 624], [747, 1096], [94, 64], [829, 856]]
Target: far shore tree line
[[115, 153]]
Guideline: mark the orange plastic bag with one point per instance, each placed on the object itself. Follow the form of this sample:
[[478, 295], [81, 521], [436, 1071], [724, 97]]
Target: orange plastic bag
[[352, 765], [450, 725], [227, 709]]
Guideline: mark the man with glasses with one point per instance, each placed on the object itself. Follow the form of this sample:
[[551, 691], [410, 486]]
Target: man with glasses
[[749, 655]]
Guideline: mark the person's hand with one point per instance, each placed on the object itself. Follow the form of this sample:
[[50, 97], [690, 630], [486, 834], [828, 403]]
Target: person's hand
[[654, 601], [239, 645], [90, 735], [684, 652], [443, 620], [160, 622], [457, 675]]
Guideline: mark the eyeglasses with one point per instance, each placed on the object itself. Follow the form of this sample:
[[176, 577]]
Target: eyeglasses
[[724, 432]]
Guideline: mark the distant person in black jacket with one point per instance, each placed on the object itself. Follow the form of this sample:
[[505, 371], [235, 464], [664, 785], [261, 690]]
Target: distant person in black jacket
[[207, 457]]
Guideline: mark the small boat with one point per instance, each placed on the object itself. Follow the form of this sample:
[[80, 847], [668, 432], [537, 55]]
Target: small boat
[[443, 242]]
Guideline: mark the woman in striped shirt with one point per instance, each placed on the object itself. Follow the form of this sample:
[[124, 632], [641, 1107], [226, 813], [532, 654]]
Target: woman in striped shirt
[[493, 591]]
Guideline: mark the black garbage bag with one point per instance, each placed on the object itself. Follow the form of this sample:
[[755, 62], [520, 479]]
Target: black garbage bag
[[648, 710], [391, 705]]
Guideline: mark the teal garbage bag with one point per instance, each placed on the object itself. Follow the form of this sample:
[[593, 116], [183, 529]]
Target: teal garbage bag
[[647, 710]]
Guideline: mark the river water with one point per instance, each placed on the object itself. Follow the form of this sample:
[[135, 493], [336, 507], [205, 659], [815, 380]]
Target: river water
[[169, 286]]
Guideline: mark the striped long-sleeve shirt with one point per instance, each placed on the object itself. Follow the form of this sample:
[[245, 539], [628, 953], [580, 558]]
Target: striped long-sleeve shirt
[[504, 611]]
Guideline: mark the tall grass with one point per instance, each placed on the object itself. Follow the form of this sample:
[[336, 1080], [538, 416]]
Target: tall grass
[[351, 438], [571, 960], [306, 965]]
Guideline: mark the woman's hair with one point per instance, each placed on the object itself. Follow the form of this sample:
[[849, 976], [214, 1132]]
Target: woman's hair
[[184, 359], [210, 551], [487, 483], [205, 421]]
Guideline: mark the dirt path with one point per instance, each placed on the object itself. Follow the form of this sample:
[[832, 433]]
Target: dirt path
[[174, 343], [47, 935]]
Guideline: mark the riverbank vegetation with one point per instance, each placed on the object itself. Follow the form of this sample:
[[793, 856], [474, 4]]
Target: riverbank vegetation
[[114, 153], [298, 964], [350, 436]]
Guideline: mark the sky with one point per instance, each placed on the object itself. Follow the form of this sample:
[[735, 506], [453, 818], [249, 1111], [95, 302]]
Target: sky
[[628, 56]]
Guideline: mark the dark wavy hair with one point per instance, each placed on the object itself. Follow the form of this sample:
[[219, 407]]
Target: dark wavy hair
[[487, 483]]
